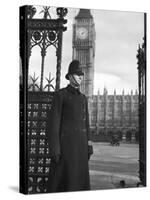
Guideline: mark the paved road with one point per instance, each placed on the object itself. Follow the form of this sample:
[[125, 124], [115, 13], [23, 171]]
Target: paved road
[[111, 164]]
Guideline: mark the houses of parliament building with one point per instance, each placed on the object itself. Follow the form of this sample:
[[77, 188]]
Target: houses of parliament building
[[114, 114], [109, 114]]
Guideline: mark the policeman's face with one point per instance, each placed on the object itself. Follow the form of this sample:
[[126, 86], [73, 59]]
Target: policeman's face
[[78, 78]]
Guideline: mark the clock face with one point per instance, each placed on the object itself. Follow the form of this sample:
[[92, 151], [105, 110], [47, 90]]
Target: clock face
[[82, 33]]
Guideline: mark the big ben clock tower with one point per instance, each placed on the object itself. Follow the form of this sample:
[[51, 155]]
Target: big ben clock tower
[[84, 48]]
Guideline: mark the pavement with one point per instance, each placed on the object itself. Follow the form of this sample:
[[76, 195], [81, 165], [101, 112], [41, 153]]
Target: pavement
[[114, 166]]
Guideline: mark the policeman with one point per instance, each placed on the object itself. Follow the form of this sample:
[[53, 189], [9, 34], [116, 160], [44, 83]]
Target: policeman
[[69, 136]]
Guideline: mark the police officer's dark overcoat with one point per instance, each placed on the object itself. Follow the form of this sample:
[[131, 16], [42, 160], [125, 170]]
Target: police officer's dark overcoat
[[68, 135]]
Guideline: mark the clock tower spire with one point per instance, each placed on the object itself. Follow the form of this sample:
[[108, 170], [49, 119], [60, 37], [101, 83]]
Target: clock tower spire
[[84, 47]]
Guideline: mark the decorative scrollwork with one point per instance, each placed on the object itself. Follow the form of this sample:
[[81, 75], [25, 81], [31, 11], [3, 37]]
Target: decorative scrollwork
[[31, 10], [32, 85], [49, 84], [36, 35], [43, 39], [52, 35], [46, 12], [62, 12]]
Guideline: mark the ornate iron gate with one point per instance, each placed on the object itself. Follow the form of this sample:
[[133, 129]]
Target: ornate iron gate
[[38, 152], [43, 33]]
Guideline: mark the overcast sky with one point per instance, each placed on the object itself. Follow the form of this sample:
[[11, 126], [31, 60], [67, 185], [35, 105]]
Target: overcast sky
[[118, 34]]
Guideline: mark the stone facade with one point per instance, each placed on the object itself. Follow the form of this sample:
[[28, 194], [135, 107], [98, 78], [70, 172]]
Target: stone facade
[[114, 114]]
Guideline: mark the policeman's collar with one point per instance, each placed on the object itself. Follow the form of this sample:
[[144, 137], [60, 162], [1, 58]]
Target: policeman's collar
[[72, 89]]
